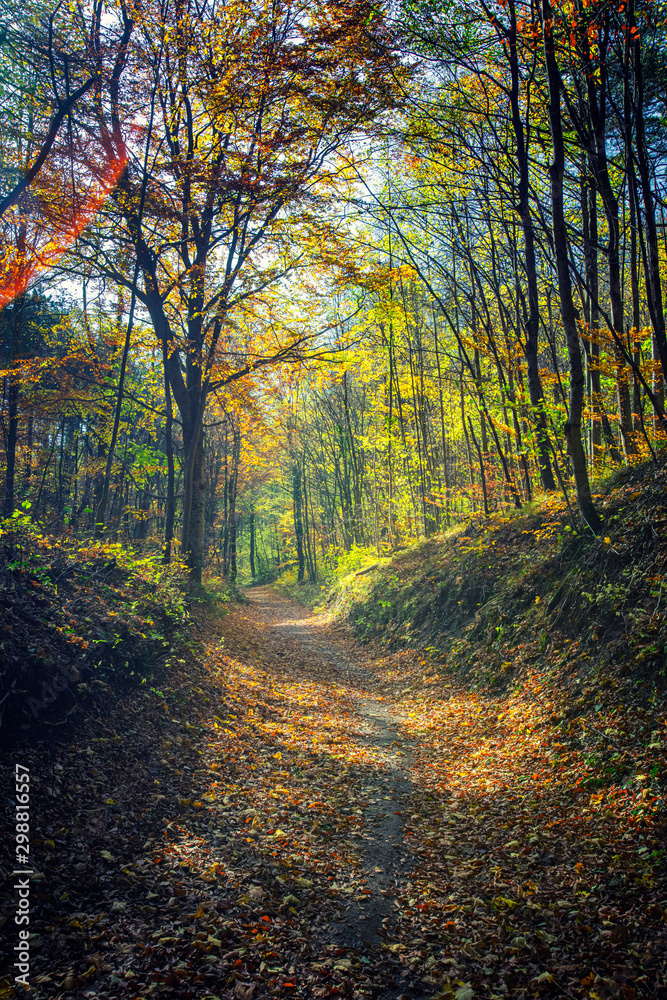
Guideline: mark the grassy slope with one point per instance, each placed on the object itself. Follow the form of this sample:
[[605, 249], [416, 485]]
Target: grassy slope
[[523, 606]]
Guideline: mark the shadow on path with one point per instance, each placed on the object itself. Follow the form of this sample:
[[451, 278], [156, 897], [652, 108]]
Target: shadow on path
[[384, 855]]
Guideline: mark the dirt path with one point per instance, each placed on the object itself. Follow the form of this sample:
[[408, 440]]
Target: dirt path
[[482, 875], [382, 855]]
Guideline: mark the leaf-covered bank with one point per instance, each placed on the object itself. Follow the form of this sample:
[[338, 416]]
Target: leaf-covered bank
[[488, 597], [563, 632], [79, 623]]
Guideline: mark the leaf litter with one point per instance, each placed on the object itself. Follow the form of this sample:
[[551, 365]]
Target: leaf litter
[[286, 818]]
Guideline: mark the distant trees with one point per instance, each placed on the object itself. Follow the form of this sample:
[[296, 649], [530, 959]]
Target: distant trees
[[506, 345], [25, 328], [516, 97]]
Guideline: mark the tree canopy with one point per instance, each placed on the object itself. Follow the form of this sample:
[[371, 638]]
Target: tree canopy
[[328, 276]]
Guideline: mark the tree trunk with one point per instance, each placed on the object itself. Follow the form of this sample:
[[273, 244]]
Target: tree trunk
[[28, 457], [597, 142], [170, 511], [232, 494], [636, 314], [12, 435], [193, 531], [556, 172], [100, 513], [589, 213], [309, 549], [530, 345], [482, 472], [298, 519], [252, 544], [443, 435], [653, 279], [13, 408]]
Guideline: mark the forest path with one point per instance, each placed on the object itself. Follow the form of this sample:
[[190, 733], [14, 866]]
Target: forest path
[[237, 828], [379, 852]]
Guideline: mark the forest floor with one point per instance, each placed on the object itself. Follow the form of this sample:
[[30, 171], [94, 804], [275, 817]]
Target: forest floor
[[294, 815]]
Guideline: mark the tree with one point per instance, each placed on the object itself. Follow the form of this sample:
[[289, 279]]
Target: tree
[[24, 325], [561, 249], [253, 104]]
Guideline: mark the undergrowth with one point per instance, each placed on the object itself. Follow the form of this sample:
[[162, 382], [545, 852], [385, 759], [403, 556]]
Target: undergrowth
[[512, 576], [218, 591], [339, 576], [79, 620]]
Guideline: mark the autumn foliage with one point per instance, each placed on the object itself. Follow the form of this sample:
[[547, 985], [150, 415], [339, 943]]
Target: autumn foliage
[[361, 305]]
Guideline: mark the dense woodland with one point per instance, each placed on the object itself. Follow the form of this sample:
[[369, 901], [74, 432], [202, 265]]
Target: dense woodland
[[363, 303], [280, 282]]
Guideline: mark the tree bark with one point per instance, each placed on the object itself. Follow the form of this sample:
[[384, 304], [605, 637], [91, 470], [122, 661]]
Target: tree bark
[[13, 392], [652, 276], [170, 510], [252, 544], [532, 321], [577, 384], [298, 519], [596, 139], [232, 494]]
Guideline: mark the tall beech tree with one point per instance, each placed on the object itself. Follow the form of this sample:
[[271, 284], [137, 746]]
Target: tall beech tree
[[254, 104]]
